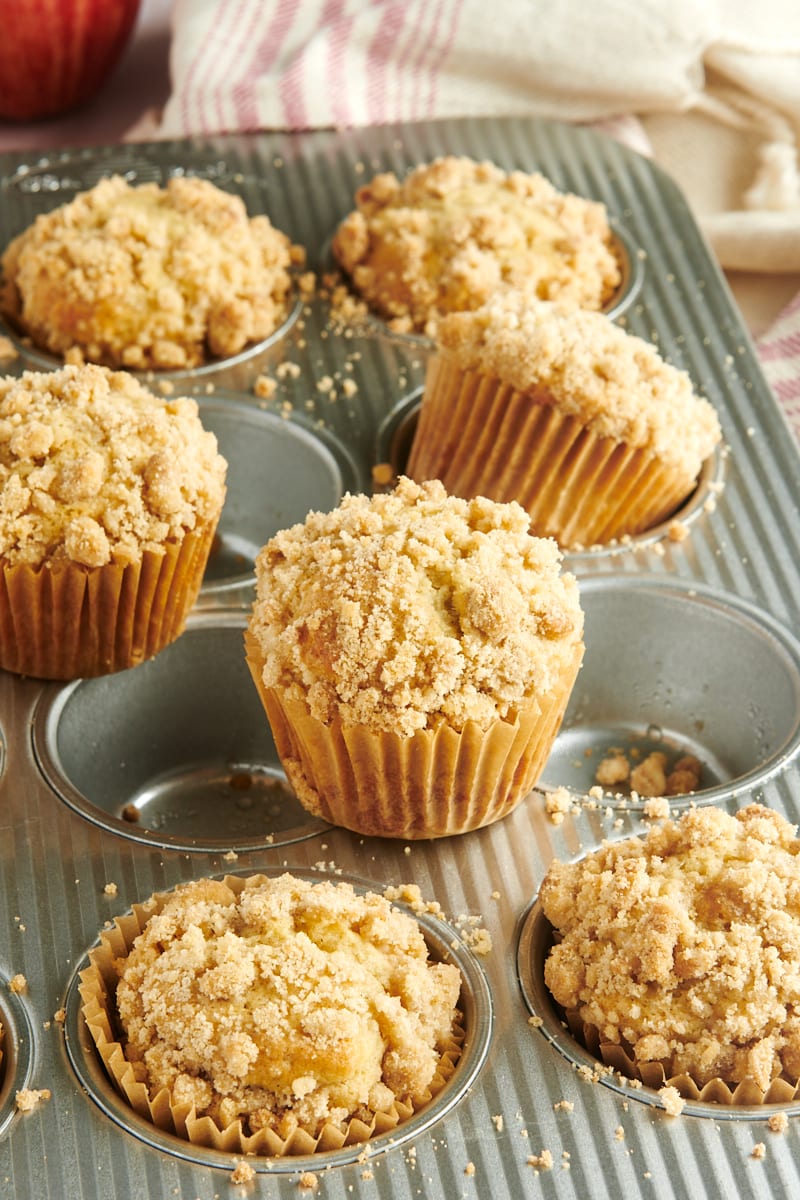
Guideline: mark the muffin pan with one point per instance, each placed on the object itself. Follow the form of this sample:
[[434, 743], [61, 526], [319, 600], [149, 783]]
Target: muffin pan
[[116, 788]]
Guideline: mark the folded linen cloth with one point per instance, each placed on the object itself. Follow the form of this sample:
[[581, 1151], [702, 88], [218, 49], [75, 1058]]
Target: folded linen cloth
[[710, 87]]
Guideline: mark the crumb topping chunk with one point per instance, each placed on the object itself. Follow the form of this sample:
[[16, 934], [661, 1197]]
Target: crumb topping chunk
[[148, 276], [290, 1004], [406, 608], [95, 468], [684, 945], [454, 231]]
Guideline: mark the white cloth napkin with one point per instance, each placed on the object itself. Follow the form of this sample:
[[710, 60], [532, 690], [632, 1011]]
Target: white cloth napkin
[[713, 85]]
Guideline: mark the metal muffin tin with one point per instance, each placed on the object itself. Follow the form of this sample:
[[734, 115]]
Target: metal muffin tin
[[168, 772]]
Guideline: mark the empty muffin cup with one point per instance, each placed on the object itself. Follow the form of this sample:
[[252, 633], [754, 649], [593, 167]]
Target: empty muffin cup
[[681, 671], [174, 753], [97, 1057], [278, 471]]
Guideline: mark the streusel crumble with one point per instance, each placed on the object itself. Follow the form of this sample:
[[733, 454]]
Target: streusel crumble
[[683, 946], [454, 231], [148, 276]]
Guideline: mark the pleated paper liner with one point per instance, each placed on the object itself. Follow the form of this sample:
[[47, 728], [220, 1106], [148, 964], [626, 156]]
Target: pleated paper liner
[[61, 620], [432, 783], [98, 990], [482, 437], [745, 1094]]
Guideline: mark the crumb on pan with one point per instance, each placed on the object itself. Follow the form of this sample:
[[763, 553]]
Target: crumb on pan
[[27, 1099]]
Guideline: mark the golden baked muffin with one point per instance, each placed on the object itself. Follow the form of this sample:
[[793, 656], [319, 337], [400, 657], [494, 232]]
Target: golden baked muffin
[[683, 946], [148, 276], [306, 1011], [454, 231], [109, 501], [582, 423], [414, 653]]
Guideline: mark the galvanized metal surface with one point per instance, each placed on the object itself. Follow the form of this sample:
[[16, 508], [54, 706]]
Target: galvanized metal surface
[[64, 778]]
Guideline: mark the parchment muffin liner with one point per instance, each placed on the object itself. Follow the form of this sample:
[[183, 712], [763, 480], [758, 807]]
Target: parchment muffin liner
[[655, 1075], [482, 437], [65, 621], [98, 992], [433, 783]]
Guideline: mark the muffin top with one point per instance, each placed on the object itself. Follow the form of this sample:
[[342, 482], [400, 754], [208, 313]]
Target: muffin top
[[615, 382], [446, 237], [290, 1003], [413, 607], [148, 276], [685, 944], [94, 468]]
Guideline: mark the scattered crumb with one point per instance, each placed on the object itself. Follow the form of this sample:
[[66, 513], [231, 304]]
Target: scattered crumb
[[536, 1021], [29, 1098], [230, 856], [479, 941], [563, 1106], [673, 1100], [287, 370], [308, 1181], [497, 1121], [166, 387], [557, 803], [110, 889], [649, 778], [677, 531], [619, 1134], [243, 1173], [657, 808], [759, 1150], [18, 984], [382, 474], [264, 387], [778, 1122], [60, 1016], [613, 769], [469, 1169], [543, 1161]]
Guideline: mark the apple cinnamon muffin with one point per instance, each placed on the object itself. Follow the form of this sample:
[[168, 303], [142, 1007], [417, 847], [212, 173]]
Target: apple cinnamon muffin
[[454, 231], [148, 276], [109, 501], [414, 653], [683, 946], [273, 1014], [585, 425]]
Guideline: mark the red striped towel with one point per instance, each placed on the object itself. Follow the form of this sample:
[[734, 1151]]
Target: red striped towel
[[779, 352]]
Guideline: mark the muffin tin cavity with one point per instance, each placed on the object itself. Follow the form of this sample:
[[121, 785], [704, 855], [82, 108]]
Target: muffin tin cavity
[[393, 446], [16, 1052], [475, 1006], [533, 946], [176, 752], [682, 670], [278, 471]]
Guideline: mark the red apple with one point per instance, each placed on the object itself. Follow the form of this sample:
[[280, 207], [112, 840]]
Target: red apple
[[55, 54]]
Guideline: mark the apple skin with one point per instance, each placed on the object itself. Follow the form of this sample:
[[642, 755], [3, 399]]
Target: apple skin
[[55, 54]]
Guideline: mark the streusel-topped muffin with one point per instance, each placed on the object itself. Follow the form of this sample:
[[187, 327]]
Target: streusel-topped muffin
[[109, 500], [683, 946], [302, 1010], [454, 231], [414, 652], [587, 426], [148, 276]]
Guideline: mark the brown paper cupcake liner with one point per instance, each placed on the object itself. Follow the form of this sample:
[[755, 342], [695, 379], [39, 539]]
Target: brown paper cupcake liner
[[481, 437], [98, 991], [65, 621], [655, 1075], [432, 783]]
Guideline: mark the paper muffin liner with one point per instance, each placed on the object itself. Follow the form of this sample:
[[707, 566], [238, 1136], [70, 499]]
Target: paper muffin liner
[[655, 1075], [432, 783], [62, 620], [98, 992], [481, 437]]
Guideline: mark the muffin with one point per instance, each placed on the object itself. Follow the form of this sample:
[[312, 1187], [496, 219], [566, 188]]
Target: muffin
[[109, 501], [585, 425], [272, 1015], [147, 277], [455, 231], [414, 653], [681, 949]]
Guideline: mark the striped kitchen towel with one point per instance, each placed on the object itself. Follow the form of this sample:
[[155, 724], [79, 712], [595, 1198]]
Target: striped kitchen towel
[[779, 352]]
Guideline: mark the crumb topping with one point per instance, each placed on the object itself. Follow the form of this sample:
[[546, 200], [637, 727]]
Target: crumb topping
[[454, 231], [291, 1004], [408, 608], [148, 276], [684, 945], [615, 382], [95, 468]]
